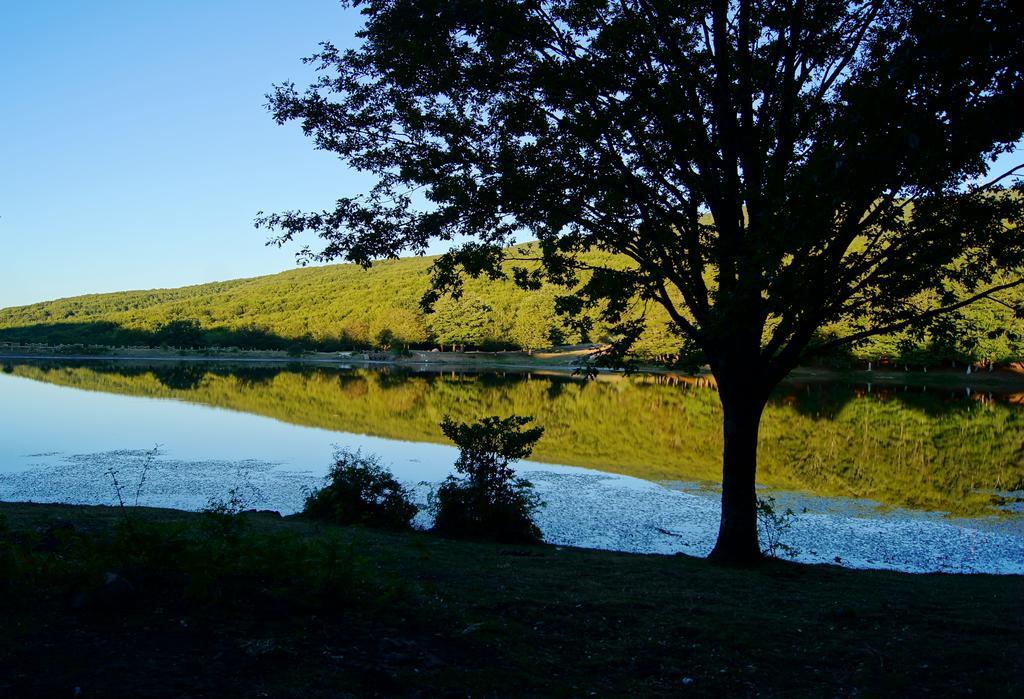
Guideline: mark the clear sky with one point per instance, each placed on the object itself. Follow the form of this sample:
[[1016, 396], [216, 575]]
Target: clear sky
[[135, 150]]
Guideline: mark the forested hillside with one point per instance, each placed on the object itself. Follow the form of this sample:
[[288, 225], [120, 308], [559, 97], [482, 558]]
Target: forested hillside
[[330, 307], [344, 306]]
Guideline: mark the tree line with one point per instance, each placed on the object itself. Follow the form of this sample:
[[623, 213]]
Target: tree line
[[343, 307]]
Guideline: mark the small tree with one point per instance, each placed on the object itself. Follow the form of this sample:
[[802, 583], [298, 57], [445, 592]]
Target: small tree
[[489, 501], [360, 490]]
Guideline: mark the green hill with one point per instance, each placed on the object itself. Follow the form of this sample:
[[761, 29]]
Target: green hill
[[344, 306], [326, 307]]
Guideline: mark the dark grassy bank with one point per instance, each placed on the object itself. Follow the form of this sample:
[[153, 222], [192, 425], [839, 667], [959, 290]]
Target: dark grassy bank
[[175, 604]]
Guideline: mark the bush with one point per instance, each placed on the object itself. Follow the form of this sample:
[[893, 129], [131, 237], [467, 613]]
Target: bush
[[224, 517], [361, 491], [488, 501], [772, 525]]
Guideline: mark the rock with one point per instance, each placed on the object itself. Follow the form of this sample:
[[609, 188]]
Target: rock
[[259, 647], [79, 599], [112, 591], [61, 526], [55, 536], [115, 589]]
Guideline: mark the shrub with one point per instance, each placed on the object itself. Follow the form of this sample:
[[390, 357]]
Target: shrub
[[224, 516], [488, 501], [772, 525], [361, 491]]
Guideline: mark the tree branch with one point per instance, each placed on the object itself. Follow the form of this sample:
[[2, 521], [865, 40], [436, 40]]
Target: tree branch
[[893, 327]]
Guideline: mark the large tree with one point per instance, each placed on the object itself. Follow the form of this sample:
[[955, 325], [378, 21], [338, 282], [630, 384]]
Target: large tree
[[766, 167]]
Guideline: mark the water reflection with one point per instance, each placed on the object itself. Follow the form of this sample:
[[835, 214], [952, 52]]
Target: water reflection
[[932, 449]]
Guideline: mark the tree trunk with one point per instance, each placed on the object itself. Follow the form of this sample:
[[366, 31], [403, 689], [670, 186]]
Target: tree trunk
[[737, 534]]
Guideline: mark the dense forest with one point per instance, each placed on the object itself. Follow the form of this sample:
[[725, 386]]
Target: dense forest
[[339, 307], [921, 449]]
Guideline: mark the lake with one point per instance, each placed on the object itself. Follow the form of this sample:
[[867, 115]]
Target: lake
[[908, 478]]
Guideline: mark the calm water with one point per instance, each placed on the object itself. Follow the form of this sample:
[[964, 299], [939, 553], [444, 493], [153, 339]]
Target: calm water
[[908, 456]]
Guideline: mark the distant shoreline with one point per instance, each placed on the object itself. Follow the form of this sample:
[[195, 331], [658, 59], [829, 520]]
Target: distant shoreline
[[553, 363]]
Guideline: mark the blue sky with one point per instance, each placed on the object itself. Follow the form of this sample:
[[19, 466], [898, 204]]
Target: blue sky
[[135, 149]]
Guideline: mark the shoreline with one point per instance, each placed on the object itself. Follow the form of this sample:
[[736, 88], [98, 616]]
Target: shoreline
[[584, 508], [666, 532], [1005, 379]]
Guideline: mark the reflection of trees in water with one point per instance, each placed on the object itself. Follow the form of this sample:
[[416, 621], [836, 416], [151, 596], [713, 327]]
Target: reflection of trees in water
[[554, 390], [391, 377], [830, 399], [924, 448], [181, 377], [352, 385], [253, 376]]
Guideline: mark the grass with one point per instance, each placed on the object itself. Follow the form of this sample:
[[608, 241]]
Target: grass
[[284, 608]]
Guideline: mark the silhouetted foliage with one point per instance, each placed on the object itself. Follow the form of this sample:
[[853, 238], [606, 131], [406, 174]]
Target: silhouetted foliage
[[360, 490], [488, 501], [763, 168]]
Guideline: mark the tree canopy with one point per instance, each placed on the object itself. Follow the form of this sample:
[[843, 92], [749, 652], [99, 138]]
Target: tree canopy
[[767, 166]]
